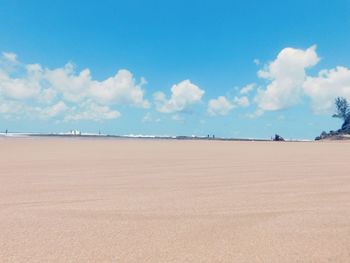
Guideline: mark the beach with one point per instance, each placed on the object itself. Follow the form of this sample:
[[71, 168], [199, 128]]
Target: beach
[[134, 200]]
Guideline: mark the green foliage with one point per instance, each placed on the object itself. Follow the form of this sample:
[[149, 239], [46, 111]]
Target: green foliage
[[343, 109]]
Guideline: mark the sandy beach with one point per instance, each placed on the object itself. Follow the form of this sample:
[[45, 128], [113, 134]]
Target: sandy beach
[[91, 200]]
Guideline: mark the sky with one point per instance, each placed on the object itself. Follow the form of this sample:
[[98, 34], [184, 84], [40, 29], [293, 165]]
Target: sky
[[230, 68]]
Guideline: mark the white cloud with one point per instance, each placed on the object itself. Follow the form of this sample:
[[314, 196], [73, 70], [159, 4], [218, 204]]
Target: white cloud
[[328, 85], [10, 57], [93, 111], [247, 89], [183, 96], [84, 111], [222, 105], [18, 88], [148, 118], [8, 108], [121, 89], [219, 106], [288, 82], [286, 75], [241, 101], [177, 117], [55, 109], [73, 87], [256, 114], [48, 93], [36, 92]]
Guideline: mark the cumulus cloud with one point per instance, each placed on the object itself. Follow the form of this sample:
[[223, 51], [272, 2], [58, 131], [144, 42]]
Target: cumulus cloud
[[64, 92], [65, 81], [18, 88], [222, 105], [121, 89], [247, 89], [325, 87], [219, 106], [286, 75], [55, 109], [149, 118], [288, 82], [183, 96], [256, 61], [94, 112], [241, 101], [177, 117], [10, 108], [256, 114], [10, 57]]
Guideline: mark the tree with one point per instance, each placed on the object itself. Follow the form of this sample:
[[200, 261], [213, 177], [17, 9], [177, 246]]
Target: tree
[[343, 108], [343, 112]]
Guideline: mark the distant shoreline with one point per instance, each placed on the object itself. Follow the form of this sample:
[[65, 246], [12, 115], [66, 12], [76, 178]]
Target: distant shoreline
[[144, 137]]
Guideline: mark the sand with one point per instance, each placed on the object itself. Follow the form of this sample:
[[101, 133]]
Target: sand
[[85, 200]]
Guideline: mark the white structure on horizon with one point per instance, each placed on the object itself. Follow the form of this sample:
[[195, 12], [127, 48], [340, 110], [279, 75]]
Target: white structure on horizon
[[75, 132]]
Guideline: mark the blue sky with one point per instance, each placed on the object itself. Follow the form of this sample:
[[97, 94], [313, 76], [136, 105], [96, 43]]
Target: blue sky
[[174, 67]]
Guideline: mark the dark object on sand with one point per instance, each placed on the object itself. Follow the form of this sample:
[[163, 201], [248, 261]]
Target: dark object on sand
[[278, 138], [343, 113]]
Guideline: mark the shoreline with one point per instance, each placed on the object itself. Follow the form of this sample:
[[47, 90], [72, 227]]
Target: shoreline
[[141, 137]]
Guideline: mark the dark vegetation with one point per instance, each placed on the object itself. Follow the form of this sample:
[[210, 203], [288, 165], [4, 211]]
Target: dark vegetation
[[343, 113]]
